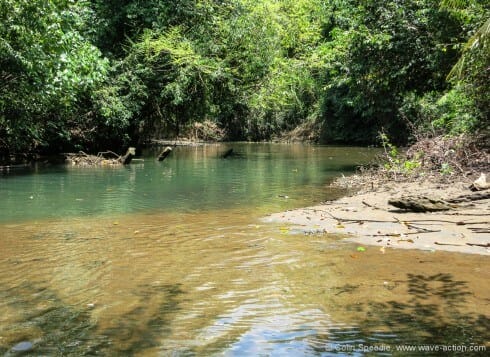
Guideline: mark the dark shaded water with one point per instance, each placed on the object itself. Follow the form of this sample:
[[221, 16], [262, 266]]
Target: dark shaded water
[[171, 258]]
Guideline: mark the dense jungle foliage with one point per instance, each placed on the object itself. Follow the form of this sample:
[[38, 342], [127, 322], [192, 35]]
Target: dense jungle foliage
[[98, 74]]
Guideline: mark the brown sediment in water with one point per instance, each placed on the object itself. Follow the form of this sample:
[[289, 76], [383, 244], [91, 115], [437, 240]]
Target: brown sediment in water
[[200, 283]]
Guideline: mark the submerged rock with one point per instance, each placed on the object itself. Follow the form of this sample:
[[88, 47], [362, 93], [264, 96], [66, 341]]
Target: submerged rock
[[24, 346]]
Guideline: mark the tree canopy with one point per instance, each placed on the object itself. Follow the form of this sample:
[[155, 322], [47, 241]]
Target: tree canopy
[[90, 73]]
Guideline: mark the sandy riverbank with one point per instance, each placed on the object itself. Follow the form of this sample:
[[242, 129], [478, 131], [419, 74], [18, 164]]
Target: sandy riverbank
[[368, 219]]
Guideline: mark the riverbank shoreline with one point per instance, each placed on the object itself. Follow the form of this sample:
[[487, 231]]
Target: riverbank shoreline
[[366, 218]]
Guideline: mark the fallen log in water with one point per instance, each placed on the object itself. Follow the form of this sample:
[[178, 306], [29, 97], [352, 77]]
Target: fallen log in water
[[163, 155], [227, 153]]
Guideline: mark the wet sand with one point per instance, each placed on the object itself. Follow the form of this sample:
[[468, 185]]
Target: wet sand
[[368, 219]]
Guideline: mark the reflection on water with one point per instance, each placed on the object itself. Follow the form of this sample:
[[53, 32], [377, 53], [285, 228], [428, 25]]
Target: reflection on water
[[217, 281], [191, 179]]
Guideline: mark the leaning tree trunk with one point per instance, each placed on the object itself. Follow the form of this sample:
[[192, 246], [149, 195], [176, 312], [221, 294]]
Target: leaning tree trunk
[[165, 153]]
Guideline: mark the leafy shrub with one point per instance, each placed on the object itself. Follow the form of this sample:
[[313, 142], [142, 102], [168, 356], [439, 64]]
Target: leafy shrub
[[453, 112], [395, 163]]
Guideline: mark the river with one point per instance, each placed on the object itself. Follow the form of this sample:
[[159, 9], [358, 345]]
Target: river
[[171, 258]]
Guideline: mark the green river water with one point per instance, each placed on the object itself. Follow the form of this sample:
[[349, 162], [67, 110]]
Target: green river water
[[172, 259]]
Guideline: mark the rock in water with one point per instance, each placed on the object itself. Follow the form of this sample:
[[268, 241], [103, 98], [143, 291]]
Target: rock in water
[[24, 346]]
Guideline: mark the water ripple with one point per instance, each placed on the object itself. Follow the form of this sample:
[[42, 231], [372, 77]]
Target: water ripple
[[203, 284]]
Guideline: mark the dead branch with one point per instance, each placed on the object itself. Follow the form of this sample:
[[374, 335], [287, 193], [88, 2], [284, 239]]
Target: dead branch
[[480, 230], [102, 153], [350, 220], [467, 214], [484, 245], [369, 205], [385, 235], [450, 244], [469, 198], [396, 220], [419, 229], [102, 158], [458, 223]]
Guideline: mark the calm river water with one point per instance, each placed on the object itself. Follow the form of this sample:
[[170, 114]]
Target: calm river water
[[171, 258]]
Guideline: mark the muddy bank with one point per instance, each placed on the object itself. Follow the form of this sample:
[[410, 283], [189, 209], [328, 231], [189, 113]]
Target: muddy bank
[[368, 219]]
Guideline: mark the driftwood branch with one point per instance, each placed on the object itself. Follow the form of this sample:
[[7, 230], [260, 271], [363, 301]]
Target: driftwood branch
[[350, 220], [469, 198], [467, 214], [103, 153], [430, 204], [458, 223], [418, 229], [450, 244], [396, 220], [102, 158], [370, 205], [408, 224], [484, 245], [480, 230]]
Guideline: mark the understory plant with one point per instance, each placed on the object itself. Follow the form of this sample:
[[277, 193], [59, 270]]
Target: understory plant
[[396, 163]]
